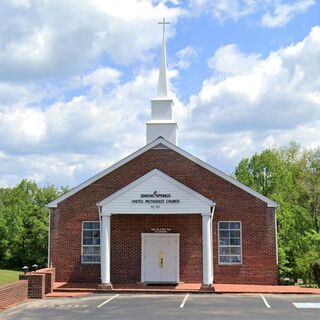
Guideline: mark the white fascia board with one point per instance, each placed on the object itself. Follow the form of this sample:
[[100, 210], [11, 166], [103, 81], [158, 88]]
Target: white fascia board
[[149, 146], [162, 99], [145, 177]]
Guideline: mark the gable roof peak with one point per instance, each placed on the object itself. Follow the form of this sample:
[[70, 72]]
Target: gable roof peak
[[163, 143]]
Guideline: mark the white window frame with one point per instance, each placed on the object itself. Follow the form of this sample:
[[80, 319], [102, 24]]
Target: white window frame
[[88, 245], [241, 253]]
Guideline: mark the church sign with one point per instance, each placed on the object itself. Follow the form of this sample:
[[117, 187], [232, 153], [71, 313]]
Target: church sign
[[155, 192], [155, 199]]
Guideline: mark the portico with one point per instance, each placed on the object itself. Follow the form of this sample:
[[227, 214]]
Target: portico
[[157, 194]]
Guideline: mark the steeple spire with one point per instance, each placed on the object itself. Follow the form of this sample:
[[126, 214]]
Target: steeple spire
[[162, 83], [161, 123]]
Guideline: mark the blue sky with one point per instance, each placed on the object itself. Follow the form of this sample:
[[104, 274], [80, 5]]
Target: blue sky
[[76, 79]]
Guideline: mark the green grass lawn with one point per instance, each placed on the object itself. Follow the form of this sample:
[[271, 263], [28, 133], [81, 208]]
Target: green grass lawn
[[8, 276]]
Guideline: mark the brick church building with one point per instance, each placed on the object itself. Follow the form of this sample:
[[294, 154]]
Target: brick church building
[[161, 215]]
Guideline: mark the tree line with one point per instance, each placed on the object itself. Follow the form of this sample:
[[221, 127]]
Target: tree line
[[288, 175], [291, 177], [24, 224]]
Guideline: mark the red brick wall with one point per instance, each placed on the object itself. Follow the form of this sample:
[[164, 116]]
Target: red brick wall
[[13, 293], [258, 248], [259, 255], [49, 278], [36, 284]]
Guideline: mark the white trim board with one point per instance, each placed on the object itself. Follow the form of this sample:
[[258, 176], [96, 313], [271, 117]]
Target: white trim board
[[164, 142]]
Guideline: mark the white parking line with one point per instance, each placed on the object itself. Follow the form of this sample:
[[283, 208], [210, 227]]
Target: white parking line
[[265, 301], [108, 300], [184, 300], [306, 305]]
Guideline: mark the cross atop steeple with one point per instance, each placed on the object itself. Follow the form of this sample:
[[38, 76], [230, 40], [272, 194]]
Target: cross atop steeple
[[164, 22], [162, 84]]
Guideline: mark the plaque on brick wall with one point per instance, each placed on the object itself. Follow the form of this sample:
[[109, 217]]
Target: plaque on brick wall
[[160, 230]]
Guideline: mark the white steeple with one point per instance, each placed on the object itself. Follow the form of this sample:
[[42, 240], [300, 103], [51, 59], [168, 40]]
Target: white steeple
[[162, 83], [161, 123]]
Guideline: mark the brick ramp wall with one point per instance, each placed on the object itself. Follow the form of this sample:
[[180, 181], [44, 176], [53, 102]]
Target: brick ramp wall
[[13, 293], [49, 278], [36, 284]]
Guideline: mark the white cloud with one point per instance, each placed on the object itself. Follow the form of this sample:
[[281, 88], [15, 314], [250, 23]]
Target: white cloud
[[229, 59], [275, 13], [72, 140], [53, 39], [277, 100], [185, 57], [101, 77], [223, 10], [282, 13]]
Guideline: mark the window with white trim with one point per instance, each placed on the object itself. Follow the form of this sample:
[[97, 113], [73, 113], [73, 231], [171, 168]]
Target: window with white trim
[[230, 250], [90, 242]]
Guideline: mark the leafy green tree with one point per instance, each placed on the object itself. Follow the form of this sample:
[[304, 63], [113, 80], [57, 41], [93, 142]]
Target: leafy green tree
[[308, 261], [291, 177], [24, 224], [310, 185]]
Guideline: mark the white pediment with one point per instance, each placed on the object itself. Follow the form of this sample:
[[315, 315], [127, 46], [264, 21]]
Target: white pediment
[[156, 193]]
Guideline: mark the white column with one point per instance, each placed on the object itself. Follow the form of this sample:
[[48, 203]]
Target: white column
[[105, 249], [207, 248]]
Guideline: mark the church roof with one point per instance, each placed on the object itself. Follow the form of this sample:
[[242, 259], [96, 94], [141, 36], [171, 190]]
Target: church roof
[[162, 143]]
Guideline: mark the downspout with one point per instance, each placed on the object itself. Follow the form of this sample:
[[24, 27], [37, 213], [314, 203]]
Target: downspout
[[276, 234], [49, 238], [211, 226]]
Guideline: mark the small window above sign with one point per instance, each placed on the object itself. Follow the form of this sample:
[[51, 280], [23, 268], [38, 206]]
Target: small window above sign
[[160, 230]]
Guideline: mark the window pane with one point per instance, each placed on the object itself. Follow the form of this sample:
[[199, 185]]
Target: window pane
[[235, 225], [235, 250], [87, 225], [87, 241], [224, 259], [224, 234], [235, 234], [235, 241], [96, 225], [224, 241], [96, 258], [224, 225], [96, 250], [86, 258], [236, 259], [96, 241], [87, 250], [96, 233], [224, 250], [87, 234]]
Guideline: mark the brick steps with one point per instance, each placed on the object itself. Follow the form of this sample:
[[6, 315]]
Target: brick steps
[[130, 288]]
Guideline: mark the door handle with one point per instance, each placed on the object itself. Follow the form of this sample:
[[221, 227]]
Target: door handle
[[161, 259]]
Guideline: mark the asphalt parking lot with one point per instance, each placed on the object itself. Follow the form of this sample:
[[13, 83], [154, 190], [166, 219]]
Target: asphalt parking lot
[[154, 306]]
